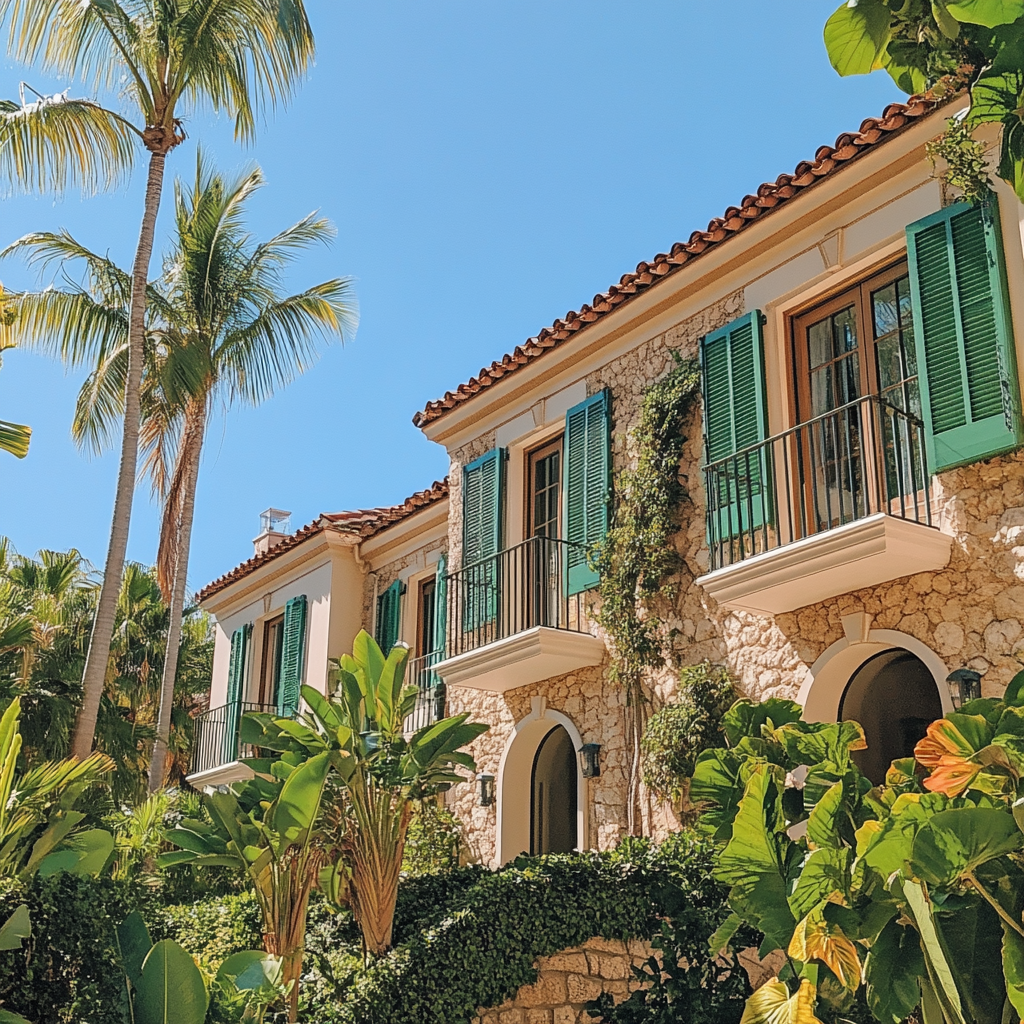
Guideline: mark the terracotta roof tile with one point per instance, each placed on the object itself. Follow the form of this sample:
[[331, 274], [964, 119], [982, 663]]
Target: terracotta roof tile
[[364, 523], [769, 195]]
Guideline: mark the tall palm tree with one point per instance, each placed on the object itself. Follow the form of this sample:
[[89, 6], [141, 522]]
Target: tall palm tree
[[220, 330], [165, 57]]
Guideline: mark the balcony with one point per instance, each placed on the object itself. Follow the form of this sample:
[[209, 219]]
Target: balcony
[[511, 620], [430, 700], [216, 752], [830, 506]]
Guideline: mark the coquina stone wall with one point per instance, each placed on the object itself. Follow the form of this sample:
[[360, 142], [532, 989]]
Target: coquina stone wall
[[570, 979], [970, 613]]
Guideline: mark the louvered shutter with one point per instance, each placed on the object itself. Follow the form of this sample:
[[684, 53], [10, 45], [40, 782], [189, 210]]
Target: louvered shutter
[[236, 690], [735, 419], [293, 651], [440, 605], [587, 485], [389, 616], [482, 513], [962, 334]]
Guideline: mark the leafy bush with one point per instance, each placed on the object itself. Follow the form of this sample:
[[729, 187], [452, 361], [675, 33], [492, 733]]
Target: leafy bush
[[434, 841], [68, 969], [482, 950], [677, 734]]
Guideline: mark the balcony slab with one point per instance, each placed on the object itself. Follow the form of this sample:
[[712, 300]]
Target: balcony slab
[[220, 775], [528, 657], [865, 553]]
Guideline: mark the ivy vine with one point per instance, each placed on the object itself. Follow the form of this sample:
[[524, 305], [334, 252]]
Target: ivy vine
[[638, 562], [965, 159]]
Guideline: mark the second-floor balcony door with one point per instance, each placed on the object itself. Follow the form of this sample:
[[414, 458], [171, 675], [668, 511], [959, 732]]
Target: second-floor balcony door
[[545, 503], [850, 461], [270, 663]]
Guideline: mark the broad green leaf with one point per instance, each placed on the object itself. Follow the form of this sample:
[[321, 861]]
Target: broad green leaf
[[972, 941], [716, 789], [753, 861], [824, 871], [187, 839], [251, 970], [812, 743], [856, 36], [948, 25], [892, 972], [93, 849], [321, 707], [16, 928], [1013, 967], [1014, 694], [940, 972], [823, 824], [298, 805], [989, 13], [367, 654], [746, 718], [953, 843], [170, 988], [9, 1017], [772, 1004], [133, 944], [724, 933]]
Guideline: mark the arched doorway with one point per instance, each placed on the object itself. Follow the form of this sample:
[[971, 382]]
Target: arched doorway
[[553, 787], [894, 697]]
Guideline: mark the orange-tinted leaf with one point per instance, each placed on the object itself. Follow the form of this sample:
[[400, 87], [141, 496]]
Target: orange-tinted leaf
[[942, 739], [815, 938], [951, 775]]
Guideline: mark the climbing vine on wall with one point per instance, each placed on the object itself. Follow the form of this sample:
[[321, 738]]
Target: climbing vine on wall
[[638, 562]]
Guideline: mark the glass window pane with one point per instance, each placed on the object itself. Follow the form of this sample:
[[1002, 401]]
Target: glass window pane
[[845, 331], [890, 366], [819, 342], [883, 304]]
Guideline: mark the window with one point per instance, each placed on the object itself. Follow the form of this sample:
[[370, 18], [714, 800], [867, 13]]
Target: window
[[270, 670], [427, 624], [545, 490], [859, 343]]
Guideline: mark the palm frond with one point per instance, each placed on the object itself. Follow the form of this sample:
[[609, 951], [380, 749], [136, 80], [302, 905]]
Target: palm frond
[[280, 343], [57, 142], [15, 438]]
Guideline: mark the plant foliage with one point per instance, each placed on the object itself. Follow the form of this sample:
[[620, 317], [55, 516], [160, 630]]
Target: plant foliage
[[677, 733], [905, 897], [944, 45]]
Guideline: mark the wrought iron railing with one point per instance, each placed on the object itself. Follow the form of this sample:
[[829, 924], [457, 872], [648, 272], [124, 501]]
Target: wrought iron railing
[[513, 591], [216, 740], [430, 699], [863, 458]]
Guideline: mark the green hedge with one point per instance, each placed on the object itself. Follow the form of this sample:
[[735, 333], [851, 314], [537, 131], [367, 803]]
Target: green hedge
[[67, 971], [484, 947]]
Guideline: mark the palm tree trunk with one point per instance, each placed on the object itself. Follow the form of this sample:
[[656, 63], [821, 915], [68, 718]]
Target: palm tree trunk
[[95, 674], [182, 509]]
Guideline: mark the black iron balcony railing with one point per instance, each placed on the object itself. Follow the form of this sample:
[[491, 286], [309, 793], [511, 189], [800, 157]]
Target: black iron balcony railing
[[430, 700], [216, 741], [513, 591], [861, 459]]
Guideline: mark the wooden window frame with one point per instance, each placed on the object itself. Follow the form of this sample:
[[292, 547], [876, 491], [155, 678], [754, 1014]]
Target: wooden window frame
[[531, 458], [424, 643], [270, 660]]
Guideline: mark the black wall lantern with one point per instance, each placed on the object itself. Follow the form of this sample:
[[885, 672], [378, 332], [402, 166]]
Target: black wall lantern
[[486, 789], [590, 760], [440, 695], [964, 685]]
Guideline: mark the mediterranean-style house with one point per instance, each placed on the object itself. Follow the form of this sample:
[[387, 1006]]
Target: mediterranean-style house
[[853, 531]]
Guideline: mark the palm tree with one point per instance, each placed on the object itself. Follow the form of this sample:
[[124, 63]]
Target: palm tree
[[238, 56], [220, 331]]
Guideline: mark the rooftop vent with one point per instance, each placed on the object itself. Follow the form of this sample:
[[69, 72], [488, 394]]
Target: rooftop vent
[[275, 525]]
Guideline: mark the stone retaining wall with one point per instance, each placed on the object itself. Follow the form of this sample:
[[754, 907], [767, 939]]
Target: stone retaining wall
[[570, 979]]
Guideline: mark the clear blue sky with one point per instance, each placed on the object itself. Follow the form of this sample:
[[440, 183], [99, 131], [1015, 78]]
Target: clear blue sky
[[489, 166]]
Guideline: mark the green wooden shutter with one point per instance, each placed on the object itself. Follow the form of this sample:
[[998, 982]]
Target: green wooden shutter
[[482, 514], [587, 485], [440, 605], [962, 335], [293, 650], [735, 417], [237, 664], [389, 616]]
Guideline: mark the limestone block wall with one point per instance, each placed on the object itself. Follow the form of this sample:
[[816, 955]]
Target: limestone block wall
[[570, 979]]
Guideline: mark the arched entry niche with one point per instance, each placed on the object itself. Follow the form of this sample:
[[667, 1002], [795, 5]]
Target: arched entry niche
[[538, 787], [890, 682]]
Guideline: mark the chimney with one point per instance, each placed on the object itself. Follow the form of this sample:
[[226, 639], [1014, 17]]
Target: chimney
[[275, 526]]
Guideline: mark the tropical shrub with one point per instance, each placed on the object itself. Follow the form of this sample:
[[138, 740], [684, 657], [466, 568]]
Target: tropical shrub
[[478, 948], [677, 733], [907, 897], [434, 841]]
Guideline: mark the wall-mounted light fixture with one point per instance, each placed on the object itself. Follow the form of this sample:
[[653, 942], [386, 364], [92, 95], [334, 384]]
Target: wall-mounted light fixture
[[590, 760], [486, 783], [440, 695], [964, 685]]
